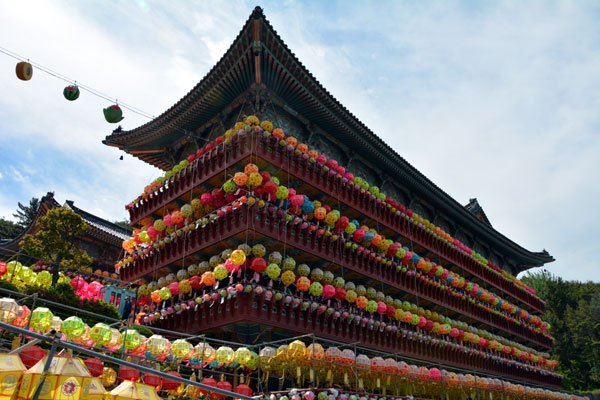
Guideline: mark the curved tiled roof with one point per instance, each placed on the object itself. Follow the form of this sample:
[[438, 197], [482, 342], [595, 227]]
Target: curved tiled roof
[[290, 79]]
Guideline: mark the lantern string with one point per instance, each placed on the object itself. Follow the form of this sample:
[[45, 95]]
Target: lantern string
[[67, 79]]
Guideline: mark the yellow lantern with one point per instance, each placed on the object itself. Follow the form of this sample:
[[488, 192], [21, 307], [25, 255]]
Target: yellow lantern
[[8, 310], [134, 390], [85, 336], [225, 355], [11, 372], [182, 349], [41, 319], [242, 356], [297, 352], [94, 391], [157, 345], [108, 377], [65, 380], [238, 257]]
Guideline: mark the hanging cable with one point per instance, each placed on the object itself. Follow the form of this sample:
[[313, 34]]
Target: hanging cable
[[87, 88]]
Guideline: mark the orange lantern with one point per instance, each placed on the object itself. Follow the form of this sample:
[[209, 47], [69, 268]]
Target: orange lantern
[[303, 283]]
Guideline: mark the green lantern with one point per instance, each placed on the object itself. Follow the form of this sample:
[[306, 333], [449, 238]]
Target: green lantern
[[113, 114], [71, 92], [73, 327], [132, 339], [100, 334], [164, 293], [41, 319]]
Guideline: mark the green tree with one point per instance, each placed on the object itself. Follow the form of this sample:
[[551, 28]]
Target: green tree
[[9, 229], [573, 312], [123, 224], [27, 214], [56, 241]]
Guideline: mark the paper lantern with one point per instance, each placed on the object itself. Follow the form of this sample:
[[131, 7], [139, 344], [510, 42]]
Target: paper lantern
[[115, 339], [128, 374], [152, 380], [108, 377], [31, 355], [315, 352], [95, 366], [266, 356], [171, 384], [113, 114], [71, 92], [182, 349], [100, 334], [208, 381], [225, 385], [41, 319], [157, 345], [24, 71], [8, 310], [224, 355], [243, 389], [131, 339]]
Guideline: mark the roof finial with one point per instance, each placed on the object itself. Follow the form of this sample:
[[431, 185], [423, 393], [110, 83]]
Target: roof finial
[[258, 12]]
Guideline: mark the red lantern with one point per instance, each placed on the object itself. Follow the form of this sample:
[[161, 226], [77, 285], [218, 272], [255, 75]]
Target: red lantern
[[243, 389], [225, 385], [31, 355], [170, 384], [95, 366], [129, 374], [195, 282], [152, 380], [209, 382]]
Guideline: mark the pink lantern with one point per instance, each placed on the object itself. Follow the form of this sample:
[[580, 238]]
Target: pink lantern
[[94, 289], [328, 291], [77, 282], [174, 288]]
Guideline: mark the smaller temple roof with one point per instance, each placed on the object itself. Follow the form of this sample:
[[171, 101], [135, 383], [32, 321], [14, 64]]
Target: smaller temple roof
[[475, 208], [101, 228], [101, 224]]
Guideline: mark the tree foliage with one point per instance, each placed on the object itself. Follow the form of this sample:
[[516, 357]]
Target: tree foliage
[[573, 311], [9, 229], [26, 214], [123, 224], [56, 241]]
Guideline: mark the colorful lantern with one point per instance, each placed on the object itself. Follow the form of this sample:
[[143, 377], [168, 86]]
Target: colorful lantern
[[41, 319], [8, 310], [100, 334], [113, 114], [24, 71], [71, 92]]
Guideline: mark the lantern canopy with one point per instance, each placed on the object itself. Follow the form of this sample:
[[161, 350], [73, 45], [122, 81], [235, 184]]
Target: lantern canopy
[[66, 380], [11, 372], [134, 390]]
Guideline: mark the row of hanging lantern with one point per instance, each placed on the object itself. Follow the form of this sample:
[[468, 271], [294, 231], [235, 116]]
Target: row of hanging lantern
[[112, 114]]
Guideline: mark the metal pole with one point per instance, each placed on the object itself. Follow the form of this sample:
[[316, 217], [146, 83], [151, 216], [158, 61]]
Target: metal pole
[[38, 390], [26, 345], [314, 370]]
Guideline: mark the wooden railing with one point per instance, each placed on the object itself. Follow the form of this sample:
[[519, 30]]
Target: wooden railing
[[299, 166], [269, 222], [285, 315]]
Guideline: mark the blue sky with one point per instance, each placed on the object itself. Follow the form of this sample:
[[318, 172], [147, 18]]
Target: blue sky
[[494, 100]]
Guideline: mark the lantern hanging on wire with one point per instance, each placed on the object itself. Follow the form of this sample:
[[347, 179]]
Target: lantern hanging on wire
[[24, 71]]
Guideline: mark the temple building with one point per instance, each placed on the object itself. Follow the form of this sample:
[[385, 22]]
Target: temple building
[[102, 241], [342, 238]]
